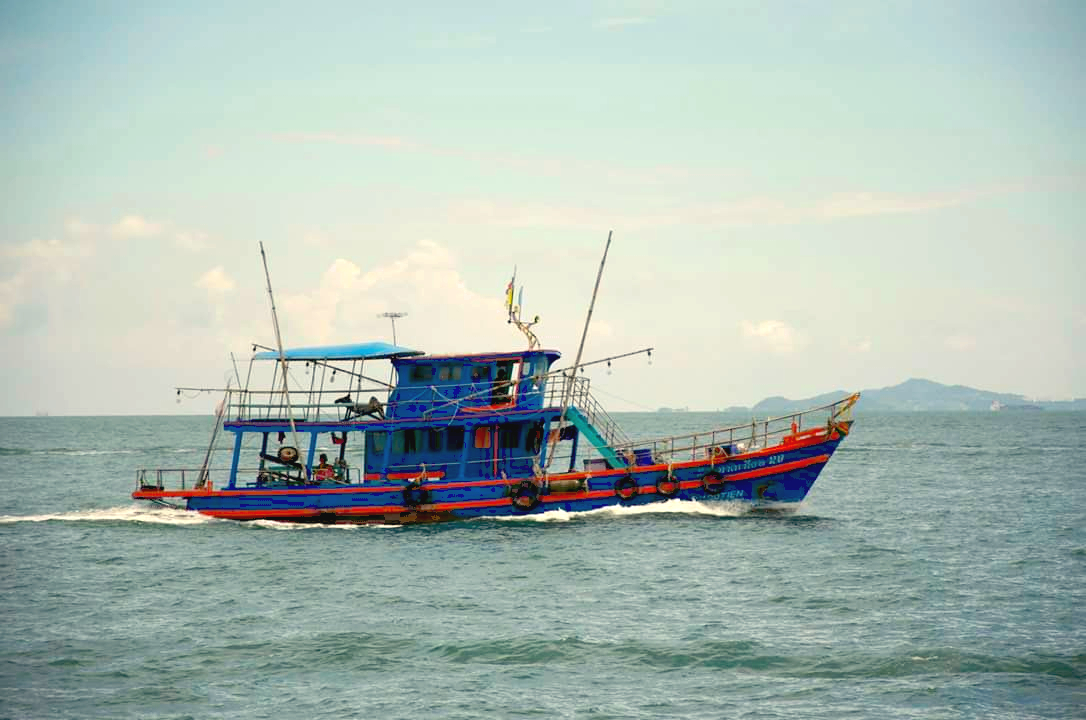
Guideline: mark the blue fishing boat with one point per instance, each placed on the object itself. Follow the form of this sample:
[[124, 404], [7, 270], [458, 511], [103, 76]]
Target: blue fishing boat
[[453, 437], [462, 436]]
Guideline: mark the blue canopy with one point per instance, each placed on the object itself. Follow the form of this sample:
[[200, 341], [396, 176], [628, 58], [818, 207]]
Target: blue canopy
[[354, 351]]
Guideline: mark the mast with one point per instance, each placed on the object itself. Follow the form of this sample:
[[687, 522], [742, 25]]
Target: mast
[[282, 357], [568, 394]]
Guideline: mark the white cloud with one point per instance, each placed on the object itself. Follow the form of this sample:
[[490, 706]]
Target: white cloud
[[45, 250], [425, 283], [775, 335], [215, 281], [38, 267], [75, 226], [11, 295], [961, 343], [193, 241], [863, 346], [134, 226], [620, 22]]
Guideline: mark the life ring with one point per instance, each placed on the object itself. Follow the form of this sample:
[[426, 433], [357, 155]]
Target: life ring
[[288, 454], [414, 494], [525, 497], [713, 483], [668, 486], [626, 487]]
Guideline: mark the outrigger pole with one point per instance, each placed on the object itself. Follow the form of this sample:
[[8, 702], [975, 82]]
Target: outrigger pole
[[568, 394], [282, 357]]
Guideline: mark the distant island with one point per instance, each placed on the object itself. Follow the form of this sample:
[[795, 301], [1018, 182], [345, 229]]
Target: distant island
[[916, 395]]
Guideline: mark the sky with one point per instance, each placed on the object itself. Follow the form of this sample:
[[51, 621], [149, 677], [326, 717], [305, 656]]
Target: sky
[[804, 196]]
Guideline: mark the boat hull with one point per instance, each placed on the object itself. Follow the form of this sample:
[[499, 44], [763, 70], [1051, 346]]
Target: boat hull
[[766, 479]]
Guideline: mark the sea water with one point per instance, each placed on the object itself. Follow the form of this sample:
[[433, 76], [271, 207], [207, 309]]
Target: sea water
[[937, 570]]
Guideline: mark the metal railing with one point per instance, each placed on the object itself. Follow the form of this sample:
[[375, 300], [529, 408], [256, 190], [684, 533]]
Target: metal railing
[[307, 405], [580, 398], [188, 478], [755, 435]]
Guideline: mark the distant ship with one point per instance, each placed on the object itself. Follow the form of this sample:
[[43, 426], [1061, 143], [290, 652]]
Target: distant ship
[[998, 406]]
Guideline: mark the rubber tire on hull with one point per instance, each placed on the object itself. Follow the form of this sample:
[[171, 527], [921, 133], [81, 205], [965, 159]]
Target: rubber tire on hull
[[665, 481], [626, 488], [713, 483], [525, 497]]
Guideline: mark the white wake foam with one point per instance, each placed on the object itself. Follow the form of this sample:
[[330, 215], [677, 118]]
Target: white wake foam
[[126, 513], [276, 525], [680, 507]]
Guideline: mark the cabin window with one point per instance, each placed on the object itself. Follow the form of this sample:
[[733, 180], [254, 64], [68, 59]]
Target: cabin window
[[449, 373], [501, 391], [538, 371], [433, 440], [405, 441], [482, 437], [375, 443], [422, 373], [454, 438], [479, 373], [510, 436]]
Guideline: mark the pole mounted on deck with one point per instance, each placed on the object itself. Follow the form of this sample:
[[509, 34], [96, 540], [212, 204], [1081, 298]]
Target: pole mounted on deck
[[568, 394], [282, 357]]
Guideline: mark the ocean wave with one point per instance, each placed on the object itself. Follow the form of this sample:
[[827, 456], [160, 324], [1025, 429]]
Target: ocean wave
[[745, 655], [126, 513], [9, 452]]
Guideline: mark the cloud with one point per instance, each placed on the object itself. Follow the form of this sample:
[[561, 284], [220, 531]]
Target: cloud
[[215, 281], [525, 215], [425, 283], [775, 335], [134, 226], [39, 267], [77, 227], [863, 346], [191, 240], [961, 343], [616, 23], [391, 142], [856, 204], [45, 250]]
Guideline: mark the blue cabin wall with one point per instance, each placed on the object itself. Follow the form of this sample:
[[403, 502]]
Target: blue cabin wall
[[436, 387]]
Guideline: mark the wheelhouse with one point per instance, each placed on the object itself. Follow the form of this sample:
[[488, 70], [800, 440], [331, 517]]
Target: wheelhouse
[[445, 416]]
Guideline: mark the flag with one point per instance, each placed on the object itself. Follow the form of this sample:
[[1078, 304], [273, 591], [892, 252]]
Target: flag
[[509, 290], [520, 297]]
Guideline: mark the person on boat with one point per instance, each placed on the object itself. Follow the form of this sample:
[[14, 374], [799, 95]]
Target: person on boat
[[323, 471], [500, 392]]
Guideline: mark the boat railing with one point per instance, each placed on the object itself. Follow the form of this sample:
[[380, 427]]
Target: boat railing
[[575, 391], [742, 438], [306, 405], [162, 479]]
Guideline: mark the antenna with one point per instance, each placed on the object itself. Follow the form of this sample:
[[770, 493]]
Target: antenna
[[393, 316], [282, 357]]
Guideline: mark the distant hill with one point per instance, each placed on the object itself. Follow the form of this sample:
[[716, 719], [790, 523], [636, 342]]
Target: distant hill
[[917, 395]]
